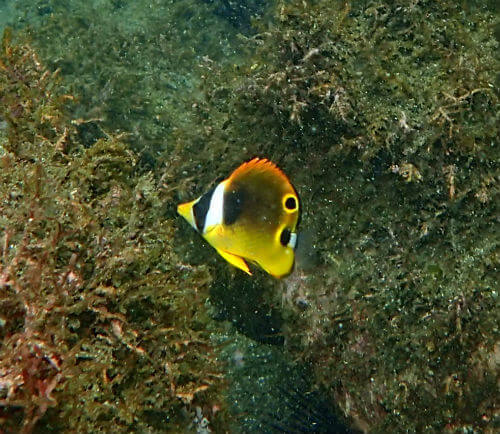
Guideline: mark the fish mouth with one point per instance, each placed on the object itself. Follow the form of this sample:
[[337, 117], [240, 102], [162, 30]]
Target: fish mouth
[[186, 210]]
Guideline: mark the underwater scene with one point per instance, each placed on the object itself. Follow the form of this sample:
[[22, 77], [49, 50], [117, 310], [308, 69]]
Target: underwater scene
[[249, 216]]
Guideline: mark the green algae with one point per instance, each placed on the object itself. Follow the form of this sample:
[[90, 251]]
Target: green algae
[[385, 116], [102, 326], [133, 65]]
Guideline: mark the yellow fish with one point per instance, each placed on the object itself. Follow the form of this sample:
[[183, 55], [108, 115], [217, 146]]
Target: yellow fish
[[250, 216]]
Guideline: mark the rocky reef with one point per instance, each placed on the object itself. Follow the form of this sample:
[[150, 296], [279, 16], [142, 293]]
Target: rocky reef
[[102, 326], [385, 116]]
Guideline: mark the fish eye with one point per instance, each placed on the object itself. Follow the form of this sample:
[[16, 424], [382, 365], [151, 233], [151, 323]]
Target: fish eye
[[285, 237], [290, 203]]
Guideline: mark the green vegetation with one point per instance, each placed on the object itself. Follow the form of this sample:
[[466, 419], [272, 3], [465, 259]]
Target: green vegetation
[[132, 64], [384, 115], [102, 326], [386, 118]]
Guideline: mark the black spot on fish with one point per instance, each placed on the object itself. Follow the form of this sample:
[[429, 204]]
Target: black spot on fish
[[285, 237], [200, 209], [291, 203], [233, 205]]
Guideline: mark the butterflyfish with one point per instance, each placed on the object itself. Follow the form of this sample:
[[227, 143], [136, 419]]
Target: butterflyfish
[[249, 217]]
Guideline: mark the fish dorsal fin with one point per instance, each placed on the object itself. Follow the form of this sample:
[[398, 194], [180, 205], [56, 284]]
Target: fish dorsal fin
[[258, 166]]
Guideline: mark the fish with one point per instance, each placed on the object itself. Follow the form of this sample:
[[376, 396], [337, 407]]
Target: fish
[[249, 217]]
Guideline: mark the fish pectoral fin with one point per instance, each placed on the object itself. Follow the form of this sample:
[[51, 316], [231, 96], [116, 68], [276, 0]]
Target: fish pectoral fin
[[237, 261]]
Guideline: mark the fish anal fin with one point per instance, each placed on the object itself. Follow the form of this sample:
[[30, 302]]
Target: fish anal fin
[[237, 261]]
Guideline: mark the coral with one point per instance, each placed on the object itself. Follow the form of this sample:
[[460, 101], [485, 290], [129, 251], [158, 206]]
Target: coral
[[102, 327]]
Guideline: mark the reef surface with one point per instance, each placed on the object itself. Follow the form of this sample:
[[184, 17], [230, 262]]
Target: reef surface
[[385, 116]]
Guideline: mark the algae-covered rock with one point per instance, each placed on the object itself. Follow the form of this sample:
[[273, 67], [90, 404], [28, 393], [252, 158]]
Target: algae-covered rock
[[385, 116], [102, 327], [132, 64]]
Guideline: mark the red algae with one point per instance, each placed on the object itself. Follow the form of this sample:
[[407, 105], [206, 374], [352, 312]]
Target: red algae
[[101, 326]]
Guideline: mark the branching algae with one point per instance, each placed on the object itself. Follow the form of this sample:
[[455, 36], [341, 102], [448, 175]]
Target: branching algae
[[101, 326], [385, 116]]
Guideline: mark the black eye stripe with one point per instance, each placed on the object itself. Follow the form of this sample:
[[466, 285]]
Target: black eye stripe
[[285, 237], [200, 209], [291, 203]]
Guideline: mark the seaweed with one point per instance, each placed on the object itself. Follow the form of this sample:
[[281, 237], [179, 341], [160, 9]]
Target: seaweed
[[102, 327], [385, 116], [131, 64]]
